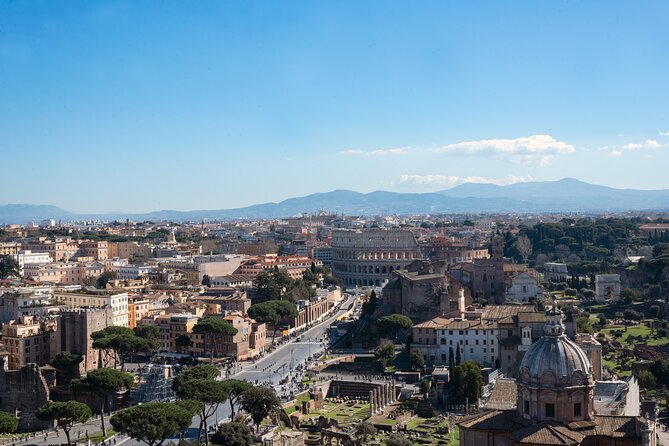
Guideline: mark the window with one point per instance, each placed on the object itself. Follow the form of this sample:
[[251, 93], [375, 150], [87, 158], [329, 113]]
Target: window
[[577, 409], [509, 332], [527, 407], [550, 410]]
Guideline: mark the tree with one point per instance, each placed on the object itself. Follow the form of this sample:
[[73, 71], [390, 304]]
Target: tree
[[369, 307], [105, 278], [417, 360], [660, 369], [213, 329], [627, 295], [198, 383], [272, 312], [390, 325], [235, 388], [206, 280], [65, 414], [364, 430], [272, 284], [194, 408], [385, 352], [260, 402], [152, 423], [108, 340], [584, 324], [395, 439], [183, 342], [103, 384], [646, 379], [232, 434], [523, 246], [67, 364], [467, 384], [458, 358], [9, 267], [424, 387], [124, 342], [451, 365], [146, 331], [8, 423]]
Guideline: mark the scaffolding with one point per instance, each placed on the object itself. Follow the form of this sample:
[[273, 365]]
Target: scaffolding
[[155, 384]]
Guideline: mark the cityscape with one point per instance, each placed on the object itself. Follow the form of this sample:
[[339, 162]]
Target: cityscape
[[334, 223]]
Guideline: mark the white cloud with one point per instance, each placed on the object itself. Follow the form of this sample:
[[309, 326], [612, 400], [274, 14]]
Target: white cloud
[[647, 144], [663, 133], [379, 152], [615, 153], [444, 181], [527, 149]]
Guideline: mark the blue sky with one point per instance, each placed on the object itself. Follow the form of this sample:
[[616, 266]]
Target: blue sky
[[145, 105]]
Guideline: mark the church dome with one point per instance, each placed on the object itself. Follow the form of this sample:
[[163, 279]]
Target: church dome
[[555, 359]]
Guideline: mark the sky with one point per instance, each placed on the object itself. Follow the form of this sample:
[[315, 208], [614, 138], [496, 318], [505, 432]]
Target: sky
[[133, 106]]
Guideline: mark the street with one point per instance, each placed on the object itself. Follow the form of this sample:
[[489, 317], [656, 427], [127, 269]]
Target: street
[[271, 369]]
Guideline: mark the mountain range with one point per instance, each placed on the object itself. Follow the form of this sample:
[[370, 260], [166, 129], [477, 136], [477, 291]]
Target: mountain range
[[566, 195]]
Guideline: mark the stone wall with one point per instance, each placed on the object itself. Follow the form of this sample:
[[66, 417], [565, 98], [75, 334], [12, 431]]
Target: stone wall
[[24, 391]]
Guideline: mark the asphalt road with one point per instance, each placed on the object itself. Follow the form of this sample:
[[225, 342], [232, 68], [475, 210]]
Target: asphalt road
[[269, 370]]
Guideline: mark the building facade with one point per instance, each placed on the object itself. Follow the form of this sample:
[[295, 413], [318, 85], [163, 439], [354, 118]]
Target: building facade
[[368, 257]]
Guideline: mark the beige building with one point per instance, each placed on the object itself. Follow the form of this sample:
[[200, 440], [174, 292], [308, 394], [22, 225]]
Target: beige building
[[8, 249], [293, 265], [71, 273], [28, 340], [117, 302]]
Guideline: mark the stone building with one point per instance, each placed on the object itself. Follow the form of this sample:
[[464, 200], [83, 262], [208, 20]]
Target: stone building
[[523, 287], [607, 287], [76, 326], [484, 277], [367, 257], [25, 390], [555, 403], [424, 290], [555, 272]]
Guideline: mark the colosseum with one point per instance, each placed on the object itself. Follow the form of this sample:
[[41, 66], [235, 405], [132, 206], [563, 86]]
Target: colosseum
[[367, 257]]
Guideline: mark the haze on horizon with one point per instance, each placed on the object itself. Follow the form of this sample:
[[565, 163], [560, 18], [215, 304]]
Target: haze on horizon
[[134, 107]]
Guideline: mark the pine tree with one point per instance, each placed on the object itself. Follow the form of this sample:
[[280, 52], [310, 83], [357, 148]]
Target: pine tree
[[458, 359], [451, 364]]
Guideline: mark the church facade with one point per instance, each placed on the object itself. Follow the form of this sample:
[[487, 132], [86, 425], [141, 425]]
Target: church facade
[[555, 403]]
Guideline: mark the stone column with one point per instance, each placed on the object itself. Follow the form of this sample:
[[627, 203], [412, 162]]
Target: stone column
[[377, 400], [386, 400], [393, 391], [371, 402]]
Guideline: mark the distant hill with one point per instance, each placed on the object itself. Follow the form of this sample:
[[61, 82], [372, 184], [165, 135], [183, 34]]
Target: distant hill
[[23, 213], [568, 195]]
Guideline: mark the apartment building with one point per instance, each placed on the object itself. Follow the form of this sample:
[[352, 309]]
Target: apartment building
[[293, 265], [26, 257], [30, 340], [118, 302], [477, 340], [71, 273]]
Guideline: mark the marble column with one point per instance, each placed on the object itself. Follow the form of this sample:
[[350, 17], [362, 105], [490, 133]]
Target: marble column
[[371, 402], [393, 391]]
